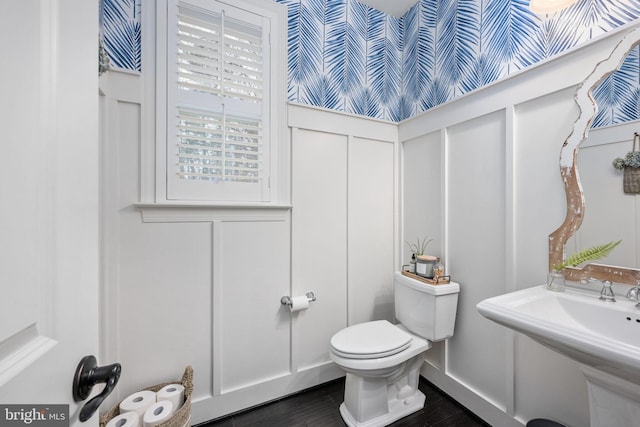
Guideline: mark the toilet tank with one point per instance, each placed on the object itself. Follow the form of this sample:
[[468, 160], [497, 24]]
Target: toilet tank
[[426, 310]]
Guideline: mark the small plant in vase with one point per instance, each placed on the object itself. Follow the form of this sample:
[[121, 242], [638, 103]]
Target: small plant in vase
[[420, 246], [555, 280], [423, 263]]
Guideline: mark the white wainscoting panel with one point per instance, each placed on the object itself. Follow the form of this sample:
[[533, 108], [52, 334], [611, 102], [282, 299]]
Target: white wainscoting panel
[[343, 225], [423, 206], [251, 273], [319, 219], [164, 302], [370, 219], [542, 125], [422, 169], [476, 236]]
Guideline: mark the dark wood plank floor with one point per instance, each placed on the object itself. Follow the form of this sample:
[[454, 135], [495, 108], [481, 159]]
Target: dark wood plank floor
[[318, 407]]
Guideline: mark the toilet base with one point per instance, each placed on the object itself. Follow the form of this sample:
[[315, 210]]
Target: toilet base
[[379, 400], [397, 409]]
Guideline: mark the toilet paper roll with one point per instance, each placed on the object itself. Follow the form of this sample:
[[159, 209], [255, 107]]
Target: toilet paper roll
[[138, 402], [174, 393], [299, 303], [158, 413], [128, 419]]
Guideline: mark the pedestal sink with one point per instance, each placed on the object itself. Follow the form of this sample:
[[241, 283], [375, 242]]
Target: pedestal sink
[[604, 337]]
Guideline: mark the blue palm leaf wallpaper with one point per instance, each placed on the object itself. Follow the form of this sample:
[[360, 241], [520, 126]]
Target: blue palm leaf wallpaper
[[348, 57], [294, 46], [457, 46], [506, 28], [426, 39], [552, 37], [384, 64], [354, 55], [410, 64], [614, 94], [339, 54], [121, 32]]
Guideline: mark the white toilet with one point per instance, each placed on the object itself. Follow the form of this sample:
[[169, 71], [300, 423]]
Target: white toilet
[[383, 360]]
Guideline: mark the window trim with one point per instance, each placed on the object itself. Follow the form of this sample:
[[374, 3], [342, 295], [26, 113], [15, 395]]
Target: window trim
[[275, 124]]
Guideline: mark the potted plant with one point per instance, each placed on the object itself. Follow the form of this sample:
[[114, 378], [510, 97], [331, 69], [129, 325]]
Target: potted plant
[[420, 246], [630, 164], [424, 263], [555, 281]]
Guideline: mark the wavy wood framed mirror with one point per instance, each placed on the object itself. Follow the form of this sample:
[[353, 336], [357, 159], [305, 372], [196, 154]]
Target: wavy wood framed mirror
[[570, 175]]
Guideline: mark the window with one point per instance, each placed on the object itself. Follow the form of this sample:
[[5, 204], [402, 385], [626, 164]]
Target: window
[[221, 86]]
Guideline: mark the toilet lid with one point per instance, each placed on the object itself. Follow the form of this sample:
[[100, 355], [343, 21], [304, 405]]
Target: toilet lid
[[370, 340]]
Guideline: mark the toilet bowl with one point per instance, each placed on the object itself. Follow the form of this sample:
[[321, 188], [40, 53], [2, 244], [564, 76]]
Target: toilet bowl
[[382, 378], [382, 361]]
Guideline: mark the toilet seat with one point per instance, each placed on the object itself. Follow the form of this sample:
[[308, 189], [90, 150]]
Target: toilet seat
[[370, 340]]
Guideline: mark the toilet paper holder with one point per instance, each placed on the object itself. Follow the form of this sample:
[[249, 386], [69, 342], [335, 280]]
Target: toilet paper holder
[[286, 300]]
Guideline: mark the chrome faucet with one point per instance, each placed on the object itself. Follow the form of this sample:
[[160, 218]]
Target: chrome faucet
[[606, 293], [634, 295]]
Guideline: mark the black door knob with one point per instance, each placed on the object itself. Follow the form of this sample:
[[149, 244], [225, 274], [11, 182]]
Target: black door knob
[[88, 374]]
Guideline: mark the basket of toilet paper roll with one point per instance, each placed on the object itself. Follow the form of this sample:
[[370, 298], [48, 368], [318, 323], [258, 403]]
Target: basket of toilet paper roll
[[162, 405]]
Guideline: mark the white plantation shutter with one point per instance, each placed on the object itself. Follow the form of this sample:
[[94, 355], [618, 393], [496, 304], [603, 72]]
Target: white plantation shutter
[[218, 120], [218, 147], [220, 56]]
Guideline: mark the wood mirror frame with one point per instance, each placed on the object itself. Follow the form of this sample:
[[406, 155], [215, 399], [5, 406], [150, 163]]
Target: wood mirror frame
[[570, 177]]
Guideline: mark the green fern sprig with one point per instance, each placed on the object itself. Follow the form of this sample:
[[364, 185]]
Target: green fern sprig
[[589, 254]]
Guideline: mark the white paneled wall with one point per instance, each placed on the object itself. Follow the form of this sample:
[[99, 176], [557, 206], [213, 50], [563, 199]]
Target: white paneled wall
[[546, 384], [343, 215], [475, 246], [422, 206], [251, 273], [201, 285], [494, 226], [370, 220], [538, 201], [500, 196], [319, 244]]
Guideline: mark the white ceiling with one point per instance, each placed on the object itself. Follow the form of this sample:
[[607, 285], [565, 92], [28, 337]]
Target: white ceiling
[[395, 8]]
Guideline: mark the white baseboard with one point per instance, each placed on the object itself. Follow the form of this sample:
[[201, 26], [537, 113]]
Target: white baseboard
[[471, 400], [210, 407]]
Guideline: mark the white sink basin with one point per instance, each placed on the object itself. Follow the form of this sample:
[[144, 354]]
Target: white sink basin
[[603, 335]]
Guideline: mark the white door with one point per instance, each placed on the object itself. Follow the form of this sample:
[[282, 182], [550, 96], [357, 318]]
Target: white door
[[48, 201]]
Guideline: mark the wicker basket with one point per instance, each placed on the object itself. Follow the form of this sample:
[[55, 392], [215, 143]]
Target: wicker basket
[[182, 415], [631, 177], [631, 180]]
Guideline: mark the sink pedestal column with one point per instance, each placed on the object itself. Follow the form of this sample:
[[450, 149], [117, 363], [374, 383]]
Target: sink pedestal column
[[613, 401]]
